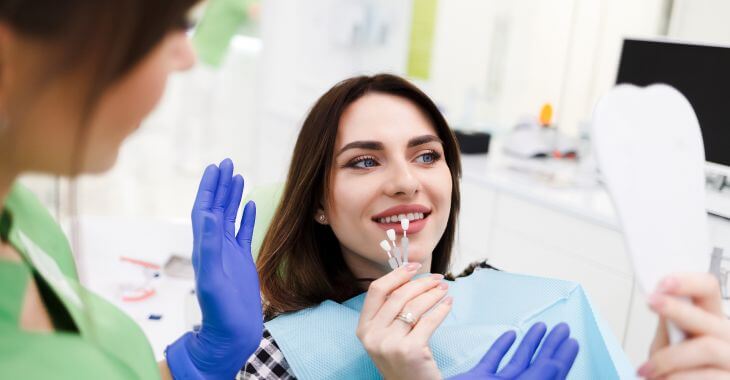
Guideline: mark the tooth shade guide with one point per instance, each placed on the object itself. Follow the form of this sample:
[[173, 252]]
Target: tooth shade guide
[[391, 234], [404, 251], [385, 246], [404, 224]]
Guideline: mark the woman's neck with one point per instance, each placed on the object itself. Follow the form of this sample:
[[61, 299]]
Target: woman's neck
[[8, 171], [7, 177]]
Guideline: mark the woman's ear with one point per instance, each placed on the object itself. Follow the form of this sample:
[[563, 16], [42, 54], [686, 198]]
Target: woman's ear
[[320, 217]]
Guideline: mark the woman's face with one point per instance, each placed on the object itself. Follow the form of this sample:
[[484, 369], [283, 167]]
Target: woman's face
[[46, 139], [388, 163]]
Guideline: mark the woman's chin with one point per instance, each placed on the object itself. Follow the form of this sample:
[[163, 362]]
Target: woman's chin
[[417, 256], [101, 163]]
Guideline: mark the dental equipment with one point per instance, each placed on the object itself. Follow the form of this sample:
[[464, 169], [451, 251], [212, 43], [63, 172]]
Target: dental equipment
[[404, 241], [391, 260], [396, 249]]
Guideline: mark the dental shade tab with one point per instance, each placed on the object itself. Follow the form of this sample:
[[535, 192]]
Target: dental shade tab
[[391, 260], [404, 241], [396, 249], [399, 255]]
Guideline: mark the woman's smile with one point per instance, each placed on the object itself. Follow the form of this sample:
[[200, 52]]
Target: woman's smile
[[416, 214]]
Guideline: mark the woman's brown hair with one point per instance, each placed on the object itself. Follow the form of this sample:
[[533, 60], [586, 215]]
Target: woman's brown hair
[[300, 263]]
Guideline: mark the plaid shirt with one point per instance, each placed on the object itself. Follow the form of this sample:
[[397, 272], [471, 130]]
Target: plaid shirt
[[268, 361]]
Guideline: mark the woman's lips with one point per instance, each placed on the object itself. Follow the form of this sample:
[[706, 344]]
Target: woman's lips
[[414, 226]]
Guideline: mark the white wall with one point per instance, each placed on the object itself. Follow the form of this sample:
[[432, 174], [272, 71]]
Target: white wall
[[701, 21], [509, 58], [308, 47]]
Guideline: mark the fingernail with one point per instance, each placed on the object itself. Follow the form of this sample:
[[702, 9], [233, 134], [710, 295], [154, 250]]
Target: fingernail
[[448, 300], [437, 276], [656, 301], [412, 266], [645, 370], [443, 286], [668, 285]]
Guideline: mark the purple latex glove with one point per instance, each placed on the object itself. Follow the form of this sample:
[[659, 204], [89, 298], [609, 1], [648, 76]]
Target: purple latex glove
[[553, 362], [226, 282]]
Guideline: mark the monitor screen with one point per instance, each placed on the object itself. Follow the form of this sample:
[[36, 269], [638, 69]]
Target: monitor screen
[[701, 73]]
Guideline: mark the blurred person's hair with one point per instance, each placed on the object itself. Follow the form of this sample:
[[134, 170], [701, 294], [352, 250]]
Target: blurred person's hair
[[105, 38], [300, 262]]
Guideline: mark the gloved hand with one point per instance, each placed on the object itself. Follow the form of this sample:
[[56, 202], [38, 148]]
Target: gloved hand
[[226, 281], [553, 362]]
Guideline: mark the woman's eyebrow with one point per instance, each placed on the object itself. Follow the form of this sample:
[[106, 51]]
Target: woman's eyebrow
[[420, 140], [369, 145], [377, 145]]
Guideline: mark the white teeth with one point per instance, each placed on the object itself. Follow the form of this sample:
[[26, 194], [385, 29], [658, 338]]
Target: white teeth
[[397, 218]]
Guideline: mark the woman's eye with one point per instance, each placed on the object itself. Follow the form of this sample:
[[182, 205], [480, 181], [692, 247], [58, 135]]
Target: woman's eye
[[428, 158], [363, 163]]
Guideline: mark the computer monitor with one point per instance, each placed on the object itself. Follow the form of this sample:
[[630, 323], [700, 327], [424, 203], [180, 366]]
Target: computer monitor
[[702, 74]]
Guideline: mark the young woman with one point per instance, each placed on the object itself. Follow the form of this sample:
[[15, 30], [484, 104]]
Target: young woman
[[76, 78], [371, 150]]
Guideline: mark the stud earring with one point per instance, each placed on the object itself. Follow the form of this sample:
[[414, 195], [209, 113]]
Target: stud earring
[[322, 218]]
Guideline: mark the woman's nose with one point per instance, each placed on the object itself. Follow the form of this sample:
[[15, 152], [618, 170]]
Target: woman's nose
[[183, 55], [402, 182]]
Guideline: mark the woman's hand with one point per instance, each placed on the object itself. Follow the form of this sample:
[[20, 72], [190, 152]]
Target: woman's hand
[[705, 353], [398, 348], [553, 362], [226, 282]]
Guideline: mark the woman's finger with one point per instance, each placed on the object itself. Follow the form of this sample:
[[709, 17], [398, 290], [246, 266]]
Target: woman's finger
[[689, 317], [700, 374], [689, 354], [380, 289], [224, 185], [661, 336], [420, 305], [702, 288], [396, 302], [425, 326]]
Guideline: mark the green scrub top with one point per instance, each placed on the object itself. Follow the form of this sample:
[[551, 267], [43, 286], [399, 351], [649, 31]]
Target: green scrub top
[[92, 338]]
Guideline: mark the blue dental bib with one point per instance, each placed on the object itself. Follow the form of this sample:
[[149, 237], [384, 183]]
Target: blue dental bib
[[320, 342]]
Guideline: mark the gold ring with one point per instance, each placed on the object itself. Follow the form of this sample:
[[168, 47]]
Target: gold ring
[[407, 318]]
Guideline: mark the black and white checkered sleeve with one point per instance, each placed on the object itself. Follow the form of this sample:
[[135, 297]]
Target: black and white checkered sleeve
[[267, 362]]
